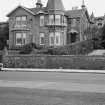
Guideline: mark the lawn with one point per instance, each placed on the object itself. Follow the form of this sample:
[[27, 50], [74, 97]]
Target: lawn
[[21, 96]]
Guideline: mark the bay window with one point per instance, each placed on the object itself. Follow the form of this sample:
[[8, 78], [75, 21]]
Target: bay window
[[55, 39], [20, 38]]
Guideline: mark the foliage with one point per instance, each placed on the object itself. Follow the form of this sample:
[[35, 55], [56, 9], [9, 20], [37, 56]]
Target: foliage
[[4, 35], [28, 48], [95, 34], [57, 51], [103, 37]]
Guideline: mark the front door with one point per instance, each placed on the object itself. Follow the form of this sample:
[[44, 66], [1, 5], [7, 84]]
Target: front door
[[73, 37]]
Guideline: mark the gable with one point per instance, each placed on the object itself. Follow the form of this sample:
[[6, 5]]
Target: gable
[[20, 9]]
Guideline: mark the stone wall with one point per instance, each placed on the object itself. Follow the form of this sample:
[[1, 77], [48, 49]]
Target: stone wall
[[45, 61]]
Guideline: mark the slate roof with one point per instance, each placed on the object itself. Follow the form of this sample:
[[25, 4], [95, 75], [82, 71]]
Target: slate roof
[[55, 5], [26, 9], [99, 18], [77, 13], [51, 5], [74, 13], [36, 10]]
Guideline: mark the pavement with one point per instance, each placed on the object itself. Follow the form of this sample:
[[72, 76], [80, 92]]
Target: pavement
[[54, 70], [97, 52]]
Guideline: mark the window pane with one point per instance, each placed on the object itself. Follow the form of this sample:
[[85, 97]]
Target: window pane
[[18, 21], [65, 20], [23, 18], [18, 18], [51, 40], [41, 20], [24, 39], [57, 19], [42, 40], [73, 22], [18, 38], [19, 41], [24, 35], [18, 35], [51, 19], [57, 38]]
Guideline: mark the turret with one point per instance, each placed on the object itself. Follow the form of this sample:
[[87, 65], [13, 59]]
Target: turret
[[55, 5], [39, 4], [83, 5]]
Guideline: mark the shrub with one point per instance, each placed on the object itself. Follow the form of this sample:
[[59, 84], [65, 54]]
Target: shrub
[[28, 48]]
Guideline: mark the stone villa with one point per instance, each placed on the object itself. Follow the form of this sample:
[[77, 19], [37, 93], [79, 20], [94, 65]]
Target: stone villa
[[47, 26]]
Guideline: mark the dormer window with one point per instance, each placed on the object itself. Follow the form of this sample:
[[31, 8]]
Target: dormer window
[[21, 21], [41, 20]]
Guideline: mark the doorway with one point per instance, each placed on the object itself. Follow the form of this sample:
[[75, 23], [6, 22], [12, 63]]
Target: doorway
[[73, 37]]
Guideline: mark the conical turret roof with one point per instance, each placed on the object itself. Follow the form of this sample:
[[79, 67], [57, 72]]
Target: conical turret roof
[[55, 5]]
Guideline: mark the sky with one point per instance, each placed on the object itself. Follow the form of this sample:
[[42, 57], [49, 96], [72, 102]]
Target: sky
[[96, 6]]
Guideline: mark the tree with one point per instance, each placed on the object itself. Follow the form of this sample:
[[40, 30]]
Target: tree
[[4, 34], [95, 34], [103, 37]]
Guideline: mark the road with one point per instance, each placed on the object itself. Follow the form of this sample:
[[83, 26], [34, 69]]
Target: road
[[51, 88], [83, 82]]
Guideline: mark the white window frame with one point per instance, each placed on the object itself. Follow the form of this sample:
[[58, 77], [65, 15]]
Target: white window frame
[[57, 19], [23, 38], [51, 19], [42, 20], [65, 20], [73, 22], [42, 35], [51, 36], [58, 35], [18, 36]]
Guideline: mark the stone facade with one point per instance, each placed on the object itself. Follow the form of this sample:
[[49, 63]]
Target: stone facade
[[47, 26]]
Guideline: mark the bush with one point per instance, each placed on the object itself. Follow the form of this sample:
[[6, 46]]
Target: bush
[[28, 48]]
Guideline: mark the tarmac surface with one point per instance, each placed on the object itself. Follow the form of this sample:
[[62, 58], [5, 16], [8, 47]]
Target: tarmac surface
[[82, 82], [51, 88]]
